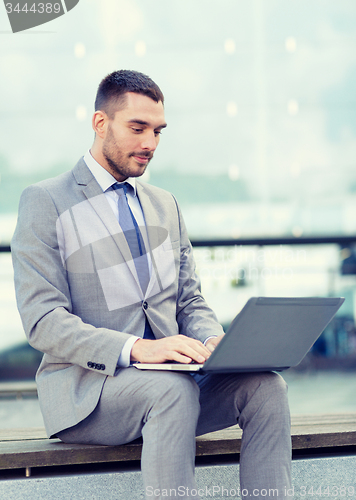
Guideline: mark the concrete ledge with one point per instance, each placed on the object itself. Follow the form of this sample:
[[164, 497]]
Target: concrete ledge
[[220, 482]]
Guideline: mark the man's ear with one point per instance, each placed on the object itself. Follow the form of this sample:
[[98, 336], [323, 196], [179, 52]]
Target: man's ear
[[99, 123]]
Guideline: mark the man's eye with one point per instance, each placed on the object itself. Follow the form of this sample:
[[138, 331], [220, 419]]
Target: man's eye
[[137, 130], [158, 132]]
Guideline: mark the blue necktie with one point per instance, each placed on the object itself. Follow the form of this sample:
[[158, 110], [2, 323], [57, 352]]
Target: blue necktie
[[133, 236], [135, 241]]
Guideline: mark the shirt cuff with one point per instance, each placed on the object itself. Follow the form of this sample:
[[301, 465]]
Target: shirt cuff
[[211, 337], [124, 358]]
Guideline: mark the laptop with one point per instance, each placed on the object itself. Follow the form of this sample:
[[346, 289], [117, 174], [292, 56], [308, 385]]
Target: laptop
[[269, 334]]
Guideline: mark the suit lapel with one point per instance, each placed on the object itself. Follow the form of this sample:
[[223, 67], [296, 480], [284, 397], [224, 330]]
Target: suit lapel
[[149, 212], [153, 225]]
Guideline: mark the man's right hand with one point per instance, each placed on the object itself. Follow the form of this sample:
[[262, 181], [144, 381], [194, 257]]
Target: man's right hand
[[179, 348]]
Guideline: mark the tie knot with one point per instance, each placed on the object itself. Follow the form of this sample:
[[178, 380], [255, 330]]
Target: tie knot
[[122, 185]]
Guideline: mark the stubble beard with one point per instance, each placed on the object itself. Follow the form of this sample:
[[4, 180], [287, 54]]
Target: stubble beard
[[118, 162]]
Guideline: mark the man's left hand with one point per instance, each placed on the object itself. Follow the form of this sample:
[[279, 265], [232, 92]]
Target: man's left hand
[[212, 343]]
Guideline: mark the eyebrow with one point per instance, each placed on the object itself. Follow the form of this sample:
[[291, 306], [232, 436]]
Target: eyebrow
[[147, 124]]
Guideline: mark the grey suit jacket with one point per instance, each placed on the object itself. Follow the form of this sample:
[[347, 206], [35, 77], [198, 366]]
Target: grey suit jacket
[[78, 293]]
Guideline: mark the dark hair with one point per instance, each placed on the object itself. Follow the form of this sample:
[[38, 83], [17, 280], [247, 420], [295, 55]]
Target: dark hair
[[112, 90]]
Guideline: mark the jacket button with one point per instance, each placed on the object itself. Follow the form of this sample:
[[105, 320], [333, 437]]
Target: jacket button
[[102, 367], [90, 364], [145, 305]]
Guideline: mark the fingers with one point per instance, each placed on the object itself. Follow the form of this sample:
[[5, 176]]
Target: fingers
[[177, 348], [181, 349], [191, 348], [179, 358]]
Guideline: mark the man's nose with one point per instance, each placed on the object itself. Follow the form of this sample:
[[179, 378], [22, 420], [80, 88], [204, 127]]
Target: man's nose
[[149, 141]]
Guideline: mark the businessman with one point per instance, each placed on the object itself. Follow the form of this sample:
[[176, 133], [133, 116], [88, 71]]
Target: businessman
[[105, 276]]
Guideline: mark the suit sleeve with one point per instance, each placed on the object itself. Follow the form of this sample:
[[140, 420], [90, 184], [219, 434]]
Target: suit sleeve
[[43, 294], [194, 316]]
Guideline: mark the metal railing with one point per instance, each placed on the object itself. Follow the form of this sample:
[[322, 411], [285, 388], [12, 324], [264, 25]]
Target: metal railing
[[287, 240], [263, 241]]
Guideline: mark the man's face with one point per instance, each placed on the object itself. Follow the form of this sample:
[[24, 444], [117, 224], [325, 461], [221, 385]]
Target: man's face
[[132, 136]]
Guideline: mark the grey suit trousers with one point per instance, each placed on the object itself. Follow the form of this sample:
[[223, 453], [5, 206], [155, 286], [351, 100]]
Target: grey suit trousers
[[169, 409]]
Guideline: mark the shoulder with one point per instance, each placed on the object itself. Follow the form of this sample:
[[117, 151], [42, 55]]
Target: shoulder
[[159, 198], [154, 190], [64, 189], [80, 174], [52, 183]]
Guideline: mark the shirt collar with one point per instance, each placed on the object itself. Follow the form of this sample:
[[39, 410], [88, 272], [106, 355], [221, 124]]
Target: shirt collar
[[102, 176]]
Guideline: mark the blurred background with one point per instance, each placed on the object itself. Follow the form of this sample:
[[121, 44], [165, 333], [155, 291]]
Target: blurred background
[[260, 151]]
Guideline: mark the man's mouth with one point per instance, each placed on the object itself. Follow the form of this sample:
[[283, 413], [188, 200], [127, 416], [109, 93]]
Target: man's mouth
[[142, 158]]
